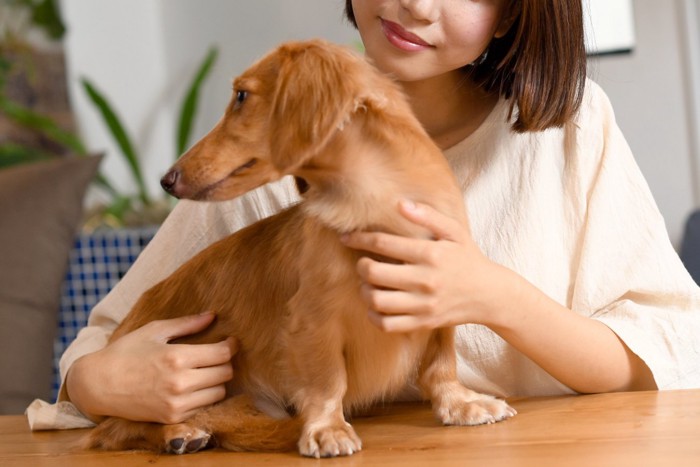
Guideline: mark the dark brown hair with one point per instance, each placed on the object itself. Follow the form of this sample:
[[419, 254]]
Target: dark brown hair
[[540, 64]]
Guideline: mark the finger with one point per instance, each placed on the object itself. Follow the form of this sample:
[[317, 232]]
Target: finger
[[396, 323], [392, 276], [203, 355], [403, 249], [202, 378], [168, 329], [193, 402], [443, 227], [208, 396], [393, 302]]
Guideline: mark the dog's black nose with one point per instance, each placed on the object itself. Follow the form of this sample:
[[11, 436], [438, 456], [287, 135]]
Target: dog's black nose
[[169, 181]]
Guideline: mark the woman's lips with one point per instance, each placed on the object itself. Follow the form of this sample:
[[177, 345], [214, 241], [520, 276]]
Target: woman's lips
[[402, 39]]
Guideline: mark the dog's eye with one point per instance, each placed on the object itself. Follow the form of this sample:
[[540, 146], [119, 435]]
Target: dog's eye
[[241, 96]]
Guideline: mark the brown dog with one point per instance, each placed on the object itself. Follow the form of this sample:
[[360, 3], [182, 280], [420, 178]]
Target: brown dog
[[286, 287]]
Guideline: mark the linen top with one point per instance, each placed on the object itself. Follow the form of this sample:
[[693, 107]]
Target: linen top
[[566, 208]]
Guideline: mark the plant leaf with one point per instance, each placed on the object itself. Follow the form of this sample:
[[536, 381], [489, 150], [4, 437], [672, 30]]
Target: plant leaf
[[120, 136], [189, 105], [45, 14], [5, 66], [102, 182], [14, 154], [35, 121], [118, 208]]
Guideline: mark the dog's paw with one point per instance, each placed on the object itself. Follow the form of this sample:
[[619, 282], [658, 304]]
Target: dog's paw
[[329, 441], [477, 411], [184, 439]]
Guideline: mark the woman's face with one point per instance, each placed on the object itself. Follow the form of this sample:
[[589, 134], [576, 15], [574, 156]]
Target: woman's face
[[420, 39]]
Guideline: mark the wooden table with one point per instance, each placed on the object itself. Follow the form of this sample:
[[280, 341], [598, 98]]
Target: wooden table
[[625, 429]]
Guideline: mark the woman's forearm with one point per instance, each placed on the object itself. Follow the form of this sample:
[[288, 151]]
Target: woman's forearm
[[580, 352]]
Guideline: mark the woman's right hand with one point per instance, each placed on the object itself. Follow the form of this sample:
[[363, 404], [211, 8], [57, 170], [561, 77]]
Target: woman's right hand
[[141, 377]]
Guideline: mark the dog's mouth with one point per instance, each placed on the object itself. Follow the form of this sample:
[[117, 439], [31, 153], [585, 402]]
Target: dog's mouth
[[206, 192], [243, 167]]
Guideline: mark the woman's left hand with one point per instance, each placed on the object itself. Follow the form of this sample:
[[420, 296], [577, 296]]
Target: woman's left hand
[[436, 282]]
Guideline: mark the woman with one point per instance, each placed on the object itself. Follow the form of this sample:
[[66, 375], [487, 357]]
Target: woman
[[565, 281]]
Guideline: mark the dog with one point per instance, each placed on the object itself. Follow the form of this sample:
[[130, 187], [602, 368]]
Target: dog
[[286, 288]]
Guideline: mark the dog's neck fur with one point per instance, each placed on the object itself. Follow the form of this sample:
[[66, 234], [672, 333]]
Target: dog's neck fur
[[385, 158]]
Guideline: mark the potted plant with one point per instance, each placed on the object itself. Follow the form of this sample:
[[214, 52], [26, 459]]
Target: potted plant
[[35, 118], [113, 232]]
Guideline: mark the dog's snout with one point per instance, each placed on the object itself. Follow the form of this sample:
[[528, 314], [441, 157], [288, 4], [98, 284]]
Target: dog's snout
[[169, 181]]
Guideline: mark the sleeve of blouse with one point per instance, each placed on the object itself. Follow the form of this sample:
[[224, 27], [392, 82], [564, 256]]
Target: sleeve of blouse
[[629, 273], [188, 229]]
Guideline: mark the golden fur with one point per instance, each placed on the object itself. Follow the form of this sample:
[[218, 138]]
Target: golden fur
[[286, 287]]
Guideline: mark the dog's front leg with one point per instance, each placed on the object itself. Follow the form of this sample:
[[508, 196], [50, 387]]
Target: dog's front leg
[[325, 432], [454, 404], [319, 366]]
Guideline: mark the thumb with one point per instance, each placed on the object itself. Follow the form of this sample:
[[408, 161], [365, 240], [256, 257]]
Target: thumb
[[169, 329]]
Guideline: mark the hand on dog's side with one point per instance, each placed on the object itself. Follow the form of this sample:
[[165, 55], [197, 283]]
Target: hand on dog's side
[[169, 386], [432, 282]]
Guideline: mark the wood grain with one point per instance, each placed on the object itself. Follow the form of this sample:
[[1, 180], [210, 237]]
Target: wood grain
[[624, 429]]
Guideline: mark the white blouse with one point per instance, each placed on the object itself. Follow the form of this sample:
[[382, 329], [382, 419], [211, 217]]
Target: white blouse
[[566, 208]]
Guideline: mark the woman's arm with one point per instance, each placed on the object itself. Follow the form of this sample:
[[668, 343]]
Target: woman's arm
[[141, 377], [448, 281], [581, 352]]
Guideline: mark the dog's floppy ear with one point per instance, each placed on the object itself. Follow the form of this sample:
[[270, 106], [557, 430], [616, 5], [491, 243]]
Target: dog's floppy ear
[[314, 96]]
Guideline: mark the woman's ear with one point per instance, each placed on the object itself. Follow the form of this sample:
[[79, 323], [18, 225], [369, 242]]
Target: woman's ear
[[511, 13], [313, 97]]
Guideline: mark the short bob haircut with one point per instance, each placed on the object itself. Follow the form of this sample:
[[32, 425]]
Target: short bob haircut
[[540, 64]]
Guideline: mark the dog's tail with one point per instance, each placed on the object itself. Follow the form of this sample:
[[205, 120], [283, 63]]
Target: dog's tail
[[243, 427], [234, 424]]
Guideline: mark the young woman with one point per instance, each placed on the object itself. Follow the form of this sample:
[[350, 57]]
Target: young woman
[[565, 280]]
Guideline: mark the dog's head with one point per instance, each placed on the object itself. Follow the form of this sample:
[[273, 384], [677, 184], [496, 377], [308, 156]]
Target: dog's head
[[284, 110]]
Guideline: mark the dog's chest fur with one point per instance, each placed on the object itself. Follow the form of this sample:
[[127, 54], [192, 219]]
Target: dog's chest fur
[[378, 364]]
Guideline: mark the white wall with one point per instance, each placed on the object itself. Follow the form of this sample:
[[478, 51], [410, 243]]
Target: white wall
[[118, 46], [650, 95]]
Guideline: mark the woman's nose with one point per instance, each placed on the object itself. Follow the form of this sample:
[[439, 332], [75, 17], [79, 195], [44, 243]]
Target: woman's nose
[[421, 10]]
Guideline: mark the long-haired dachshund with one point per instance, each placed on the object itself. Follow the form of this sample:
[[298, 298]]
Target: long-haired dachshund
[[285, 287]]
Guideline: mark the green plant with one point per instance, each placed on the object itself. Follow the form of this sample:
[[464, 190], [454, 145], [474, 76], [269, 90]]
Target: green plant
[[142, 205], [42, 14], [47, 127], [16, 55], [12, 153], [17, 18]]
